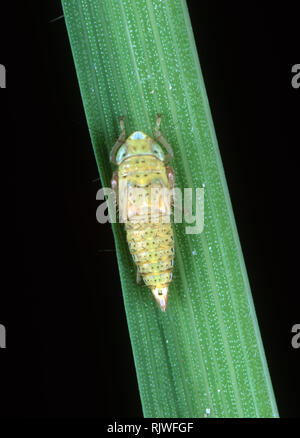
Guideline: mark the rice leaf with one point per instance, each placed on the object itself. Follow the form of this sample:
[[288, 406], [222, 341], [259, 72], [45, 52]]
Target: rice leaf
[[204, 357]]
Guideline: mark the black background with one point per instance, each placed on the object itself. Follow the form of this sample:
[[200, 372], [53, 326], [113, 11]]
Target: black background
[[68, 352]]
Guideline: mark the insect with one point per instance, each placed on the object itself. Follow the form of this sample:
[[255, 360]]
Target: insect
[[143, 186]]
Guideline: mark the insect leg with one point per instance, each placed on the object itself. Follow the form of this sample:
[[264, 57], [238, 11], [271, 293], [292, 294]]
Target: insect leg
[[114, 184], [158, 136], [119, 142], [171, 176], [171, 179], [122, 124], [138, 276]]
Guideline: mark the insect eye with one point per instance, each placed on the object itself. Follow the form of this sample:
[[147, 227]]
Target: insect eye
[[121, 154], [158, 151]]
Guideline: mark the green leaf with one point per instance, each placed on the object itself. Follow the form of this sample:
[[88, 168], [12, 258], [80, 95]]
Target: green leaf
[[204, 357]]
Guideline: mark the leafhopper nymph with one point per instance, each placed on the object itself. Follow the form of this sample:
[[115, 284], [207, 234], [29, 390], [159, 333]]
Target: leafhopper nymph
[[143, 185]]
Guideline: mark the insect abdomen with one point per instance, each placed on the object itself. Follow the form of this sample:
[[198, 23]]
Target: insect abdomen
[[152, 248]]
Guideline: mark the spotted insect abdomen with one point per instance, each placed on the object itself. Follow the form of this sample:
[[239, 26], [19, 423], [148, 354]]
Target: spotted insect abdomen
[[152, 248]]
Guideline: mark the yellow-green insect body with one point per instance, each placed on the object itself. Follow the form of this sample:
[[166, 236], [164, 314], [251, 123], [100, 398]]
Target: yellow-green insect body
[[143, 184]]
